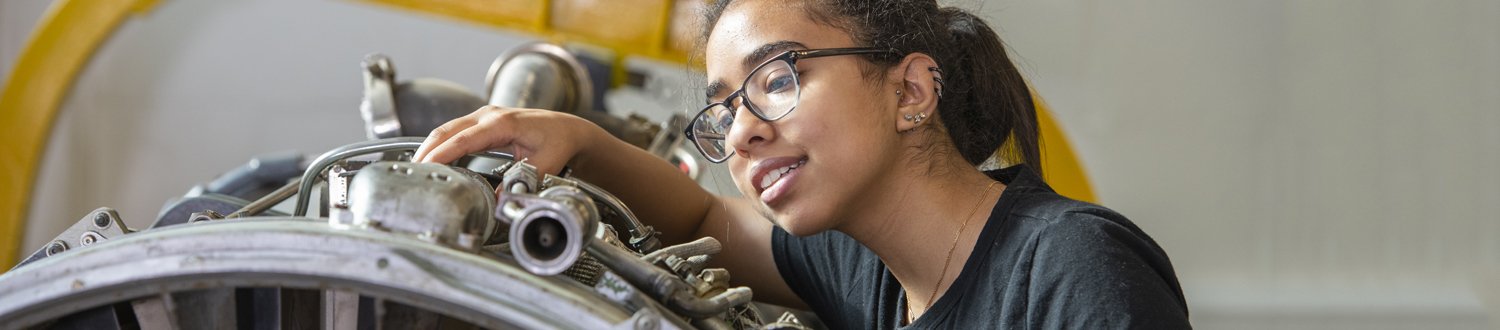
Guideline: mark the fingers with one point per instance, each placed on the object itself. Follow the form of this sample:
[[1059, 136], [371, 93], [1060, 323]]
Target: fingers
[[522, 132], [440, 135], [474, 138]]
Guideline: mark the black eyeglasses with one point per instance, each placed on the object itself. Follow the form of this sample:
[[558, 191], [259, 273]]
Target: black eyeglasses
[[770, 92]]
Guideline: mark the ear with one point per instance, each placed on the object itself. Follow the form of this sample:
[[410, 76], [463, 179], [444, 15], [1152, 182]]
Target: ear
[[919, 89]]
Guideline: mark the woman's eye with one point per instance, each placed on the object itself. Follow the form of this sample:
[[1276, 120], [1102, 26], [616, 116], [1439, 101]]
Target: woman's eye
[[779, 83]]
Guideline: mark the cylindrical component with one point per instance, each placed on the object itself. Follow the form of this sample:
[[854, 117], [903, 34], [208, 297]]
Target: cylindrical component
[[546, 241], [540, 76], [550, 231]]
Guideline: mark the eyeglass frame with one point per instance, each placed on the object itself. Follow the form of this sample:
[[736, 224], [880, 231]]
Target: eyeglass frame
[[791, 57]]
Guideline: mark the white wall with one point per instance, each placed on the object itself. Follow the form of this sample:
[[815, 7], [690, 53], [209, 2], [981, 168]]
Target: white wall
[[1307, 164]]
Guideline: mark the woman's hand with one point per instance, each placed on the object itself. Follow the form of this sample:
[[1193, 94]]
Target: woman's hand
[[545, 139]]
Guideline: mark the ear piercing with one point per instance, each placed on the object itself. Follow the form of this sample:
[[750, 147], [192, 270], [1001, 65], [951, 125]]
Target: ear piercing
[[936, 78], [915, 119]]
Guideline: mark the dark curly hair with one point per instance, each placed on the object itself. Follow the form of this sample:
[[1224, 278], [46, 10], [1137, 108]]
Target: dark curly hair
[[985, 101]]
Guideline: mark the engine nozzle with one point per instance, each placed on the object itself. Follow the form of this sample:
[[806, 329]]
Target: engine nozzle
[[549, 232]]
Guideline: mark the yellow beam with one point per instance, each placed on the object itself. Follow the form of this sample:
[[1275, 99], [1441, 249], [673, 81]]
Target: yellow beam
[[57, 50], [630, 28], [1063, 171]]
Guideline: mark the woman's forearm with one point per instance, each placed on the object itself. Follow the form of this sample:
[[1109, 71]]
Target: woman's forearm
[[658, 193]]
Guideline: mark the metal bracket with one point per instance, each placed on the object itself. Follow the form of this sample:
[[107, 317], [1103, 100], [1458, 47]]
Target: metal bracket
[[100, 225]]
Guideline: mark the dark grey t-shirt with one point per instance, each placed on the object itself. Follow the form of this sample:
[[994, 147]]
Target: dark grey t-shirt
[[1042, 262]]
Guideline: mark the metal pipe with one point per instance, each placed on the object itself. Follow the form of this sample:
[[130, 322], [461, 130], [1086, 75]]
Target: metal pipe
[[269, 200], [702, 246], [314, 170], [665, 286], [656, 282], [642, 237], [691, 305]]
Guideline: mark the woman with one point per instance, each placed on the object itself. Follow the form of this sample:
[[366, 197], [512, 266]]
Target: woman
[[855, 127]]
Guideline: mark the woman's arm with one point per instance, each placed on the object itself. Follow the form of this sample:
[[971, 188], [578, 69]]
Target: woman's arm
[[678, 207], [655, 191]]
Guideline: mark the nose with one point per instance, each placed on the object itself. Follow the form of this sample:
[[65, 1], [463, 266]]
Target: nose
[[748, 131]]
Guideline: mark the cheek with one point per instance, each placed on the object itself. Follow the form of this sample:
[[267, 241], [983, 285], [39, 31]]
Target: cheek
[[841, 125]]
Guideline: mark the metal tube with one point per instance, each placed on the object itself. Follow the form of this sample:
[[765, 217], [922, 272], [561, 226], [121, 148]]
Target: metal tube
[[656, 282], [702, 246], [688, 304], [642, 237], [267, 201], [310, 176], [665, 286]]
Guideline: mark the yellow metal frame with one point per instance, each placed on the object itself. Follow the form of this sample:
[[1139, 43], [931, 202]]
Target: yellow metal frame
[[71, 30], [62, 43]]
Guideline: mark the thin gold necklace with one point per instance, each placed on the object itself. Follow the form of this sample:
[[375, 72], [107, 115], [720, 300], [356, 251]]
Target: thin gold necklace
[[911, 317]]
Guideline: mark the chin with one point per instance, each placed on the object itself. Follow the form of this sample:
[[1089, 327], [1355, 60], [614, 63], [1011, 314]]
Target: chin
[[800, 224]]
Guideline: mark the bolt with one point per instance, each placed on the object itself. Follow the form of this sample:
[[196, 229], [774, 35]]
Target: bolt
[[89, 238], [646, 321], [56, 247], [206, 215], [101, 220]]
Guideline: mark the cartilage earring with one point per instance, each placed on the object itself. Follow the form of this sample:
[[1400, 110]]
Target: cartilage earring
[[898, 92], [937, 76]]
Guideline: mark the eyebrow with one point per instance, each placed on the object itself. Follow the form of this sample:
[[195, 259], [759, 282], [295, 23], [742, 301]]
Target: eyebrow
[[755, 58]]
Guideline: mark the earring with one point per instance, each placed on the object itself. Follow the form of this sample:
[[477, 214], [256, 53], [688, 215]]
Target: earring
[[937, 76], [915, 119], [898, 92]]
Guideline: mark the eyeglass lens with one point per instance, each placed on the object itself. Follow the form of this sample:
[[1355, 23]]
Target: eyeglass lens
[[771, 90]]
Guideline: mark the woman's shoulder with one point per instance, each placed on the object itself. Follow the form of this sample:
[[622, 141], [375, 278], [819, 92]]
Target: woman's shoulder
[[1027, 195], [1089, 251]]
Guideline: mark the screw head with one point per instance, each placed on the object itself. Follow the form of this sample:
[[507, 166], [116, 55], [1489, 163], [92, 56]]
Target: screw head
[[56, 247], [101, 220], [647, 321], [89, 238]]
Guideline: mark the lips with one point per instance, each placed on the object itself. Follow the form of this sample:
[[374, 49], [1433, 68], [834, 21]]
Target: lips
[[770, 172]]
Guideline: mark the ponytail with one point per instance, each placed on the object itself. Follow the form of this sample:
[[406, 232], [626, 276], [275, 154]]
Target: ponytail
[[986, 95]]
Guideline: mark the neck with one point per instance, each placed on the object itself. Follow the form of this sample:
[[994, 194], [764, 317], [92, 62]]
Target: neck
[[915, 224]]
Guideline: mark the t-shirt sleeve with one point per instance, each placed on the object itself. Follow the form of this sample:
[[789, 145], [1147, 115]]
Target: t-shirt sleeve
[[1092, 272]]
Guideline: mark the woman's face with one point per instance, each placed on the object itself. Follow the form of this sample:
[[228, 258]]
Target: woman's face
[[834, 147]]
